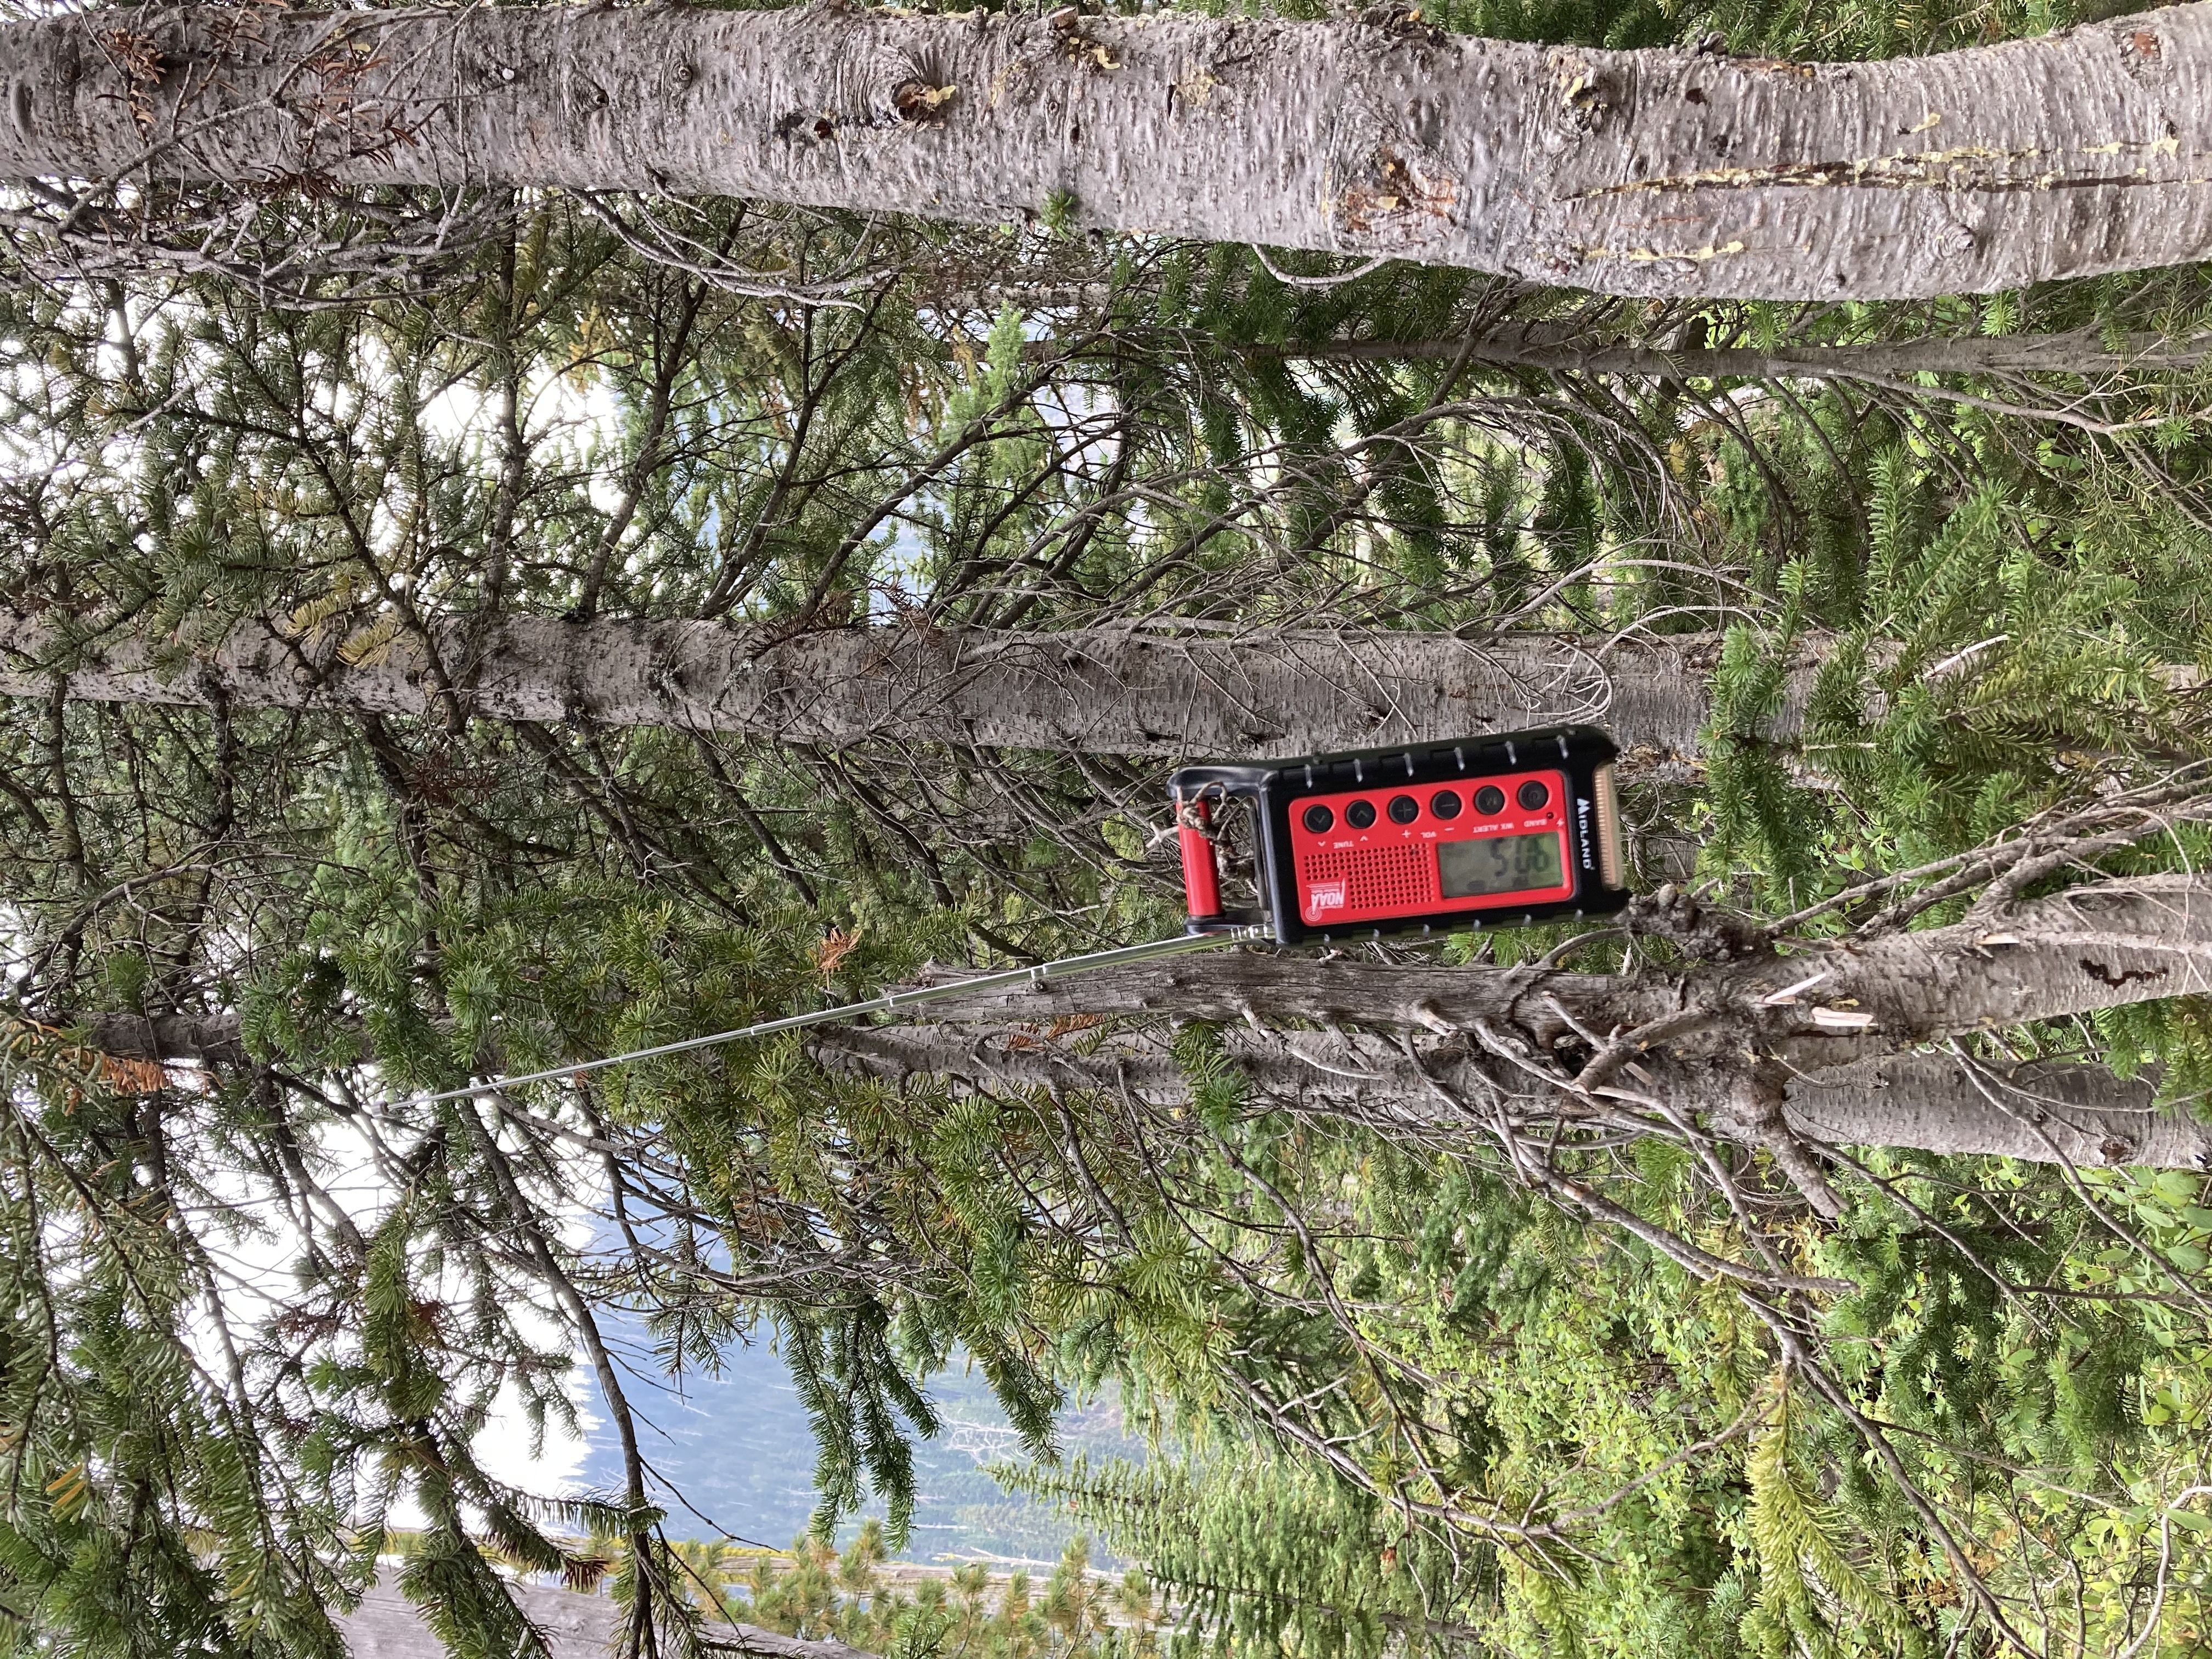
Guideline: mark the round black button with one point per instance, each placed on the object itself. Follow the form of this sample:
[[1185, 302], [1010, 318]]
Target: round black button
[[1532, 794], [1359, 814], [1489, 800], [1404, 809], [1318, 819], [1444, 804]]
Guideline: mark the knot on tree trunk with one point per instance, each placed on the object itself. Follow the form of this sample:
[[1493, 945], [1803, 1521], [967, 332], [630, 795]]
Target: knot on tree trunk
[[1752, 1107], [1702, 933]]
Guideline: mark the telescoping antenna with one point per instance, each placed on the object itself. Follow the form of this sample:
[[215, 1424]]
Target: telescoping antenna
[[890, 1002], [1503, 830]]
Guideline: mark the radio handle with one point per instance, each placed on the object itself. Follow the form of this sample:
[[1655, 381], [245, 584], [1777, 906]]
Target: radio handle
[[1201, 869]]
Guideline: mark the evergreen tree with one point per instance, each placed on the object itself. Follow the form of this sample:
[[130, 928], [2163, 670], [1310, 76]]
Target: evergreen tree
[[1494, 1337], [1657, 171]]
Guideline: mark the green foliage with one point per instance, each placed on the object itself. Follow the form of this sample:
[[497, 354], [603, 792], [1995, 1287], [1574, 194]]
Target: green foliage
[[906, 1613], [1262, 1555], [1399, 1398]]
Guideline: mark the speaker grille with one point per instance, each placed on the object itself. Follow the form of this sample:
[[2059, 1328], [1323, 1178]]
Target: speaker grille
[[1386, 878]]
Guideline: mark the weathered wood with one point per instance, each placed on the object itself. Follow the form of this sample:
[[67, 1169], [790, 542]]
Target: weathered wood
[[1659, 172], [1263, 691], [2104, 946], [197, 1039], [1836, 1027], [2042, 1112], [1556, 350]]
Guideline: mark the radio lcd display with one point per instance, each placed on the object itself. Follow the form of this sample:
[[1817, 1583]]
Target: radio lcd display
[[1502, 864], [1484, 831]]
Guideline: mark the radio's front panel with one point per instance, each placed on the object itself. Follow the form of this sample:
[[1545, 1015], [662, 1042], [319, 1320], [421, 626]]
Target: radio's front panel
[[1432, 850], [1501, 829]]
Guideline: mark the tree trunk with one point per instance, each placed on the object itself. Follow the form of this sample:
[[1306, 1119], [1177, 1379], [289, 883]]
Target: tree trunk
[[1645, 173], [1834, 1026], [1769, 1050], [210, 1040], [1103, 692], [1540, 346], [2044, 1112], [1826, 1005]]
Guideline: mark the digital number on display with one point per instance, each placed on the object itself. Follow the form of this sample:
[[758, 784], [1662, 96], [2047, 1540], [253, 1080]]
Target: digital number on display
[[1498, 864]]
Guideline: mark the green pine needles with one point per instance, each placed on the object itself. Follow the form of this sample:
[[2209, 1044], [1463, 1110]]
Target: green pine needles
[[1516, 1332]]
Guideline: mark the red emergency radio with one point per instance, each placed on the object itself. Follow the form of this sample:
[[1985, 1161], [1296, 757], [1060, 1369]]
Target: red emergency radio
[[1484, 831]]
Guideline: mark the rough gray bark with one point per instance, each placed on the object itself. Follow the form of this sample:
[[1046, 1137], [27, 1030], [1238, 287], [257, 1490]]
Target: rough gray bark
[[1828, 1032], [200, 1039], [2078, 351], [2100, 946], [1110, 691], [1647, 172], [2044, 1112]]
